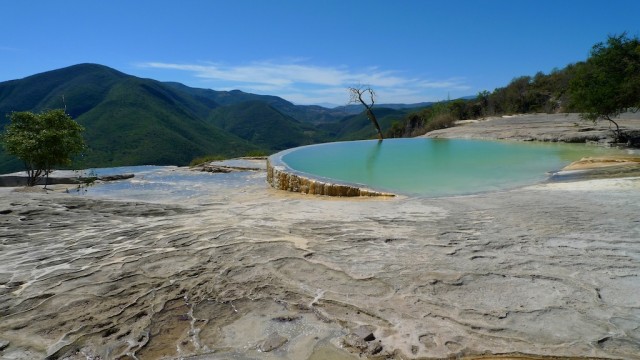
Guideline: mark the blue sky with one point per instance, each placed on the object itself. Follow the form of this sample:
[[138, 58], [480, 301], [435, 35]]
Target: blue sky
[[311, 51]]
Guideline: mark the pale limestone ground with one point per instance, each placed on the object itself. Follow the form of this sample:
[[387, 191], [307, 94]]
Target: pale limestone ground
[[249, 272], [540, 127], [549, 270]]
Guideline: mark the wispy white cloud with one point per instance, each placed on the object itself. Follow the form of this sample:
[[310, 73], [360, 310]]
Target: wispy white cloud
[[284, 74], [452, 83], [302, 83]]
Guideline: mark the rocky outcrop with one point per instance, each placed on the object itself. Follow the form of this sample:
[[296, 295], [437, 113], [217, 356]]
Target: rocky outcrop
[[362, 341], [112, 177], [232, 165], [21, 180], [282, 177], [273, 342], [603, 161], [600, 167], [568, 128]]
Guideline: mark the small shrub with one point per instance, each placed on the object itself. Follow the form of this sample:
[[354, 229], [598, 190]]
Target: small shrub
[[441, 121]]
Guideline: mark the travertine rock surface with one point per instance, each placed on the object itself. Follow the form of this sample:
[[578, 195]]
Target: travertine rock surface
[[543, 127], [280, 177], [546, 270], [250, 272]]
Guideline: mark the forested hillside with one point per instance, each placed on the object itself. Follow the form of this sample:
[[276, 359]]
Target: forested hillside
[[135, 121], [128, 120], [601, 87], [264, 126], [547, 93]]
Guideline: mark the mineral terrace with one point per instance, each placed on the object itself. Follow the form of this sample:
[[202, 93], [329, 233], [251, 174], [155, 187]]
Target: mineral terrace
[[257, 273]]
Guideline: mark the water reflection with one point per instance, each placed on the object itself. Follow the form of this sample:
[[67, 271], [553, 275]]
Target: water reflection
[[439, 153], [437, 167], [372, 157]]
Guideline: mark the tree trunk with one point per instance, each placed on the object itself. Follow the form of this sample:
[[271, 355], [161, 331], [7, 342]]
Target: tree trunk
[[373, 119], [356, 96], [31, 174], [616, 132]]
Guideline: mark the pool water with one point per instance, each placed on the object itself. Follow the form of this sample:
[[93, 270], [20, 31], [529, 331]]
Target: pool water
[[436, 167], [167, 184]]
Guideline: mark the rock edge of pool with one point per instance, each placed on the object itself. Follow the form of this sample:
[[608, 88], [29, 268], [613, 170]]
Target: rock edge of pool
[[282, 177], [549, 128]]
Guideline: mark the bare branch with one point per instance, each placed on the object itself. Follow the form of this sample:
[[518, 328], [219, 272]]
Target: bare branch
[[356, 94], [372, 95]]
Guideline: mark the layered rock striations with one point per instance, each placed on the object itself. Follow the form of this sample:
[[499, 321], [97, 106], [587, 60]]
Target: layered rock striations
[[281, 177]]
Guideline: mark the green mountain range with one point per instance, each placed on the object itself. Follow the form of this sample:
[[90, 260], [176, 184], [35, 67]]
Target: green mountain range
[[134, 121], [358, 126]]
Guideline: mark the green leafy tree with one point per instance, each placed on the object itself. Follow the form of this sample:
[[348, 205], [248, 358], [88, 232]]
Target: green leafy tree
[[42, 141], [608, 83], [459, 109], [483, 101]]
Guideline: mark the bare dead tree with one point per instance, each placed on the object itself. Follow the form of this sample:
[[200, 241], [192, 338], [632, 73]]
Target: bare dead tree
[[360, 95]]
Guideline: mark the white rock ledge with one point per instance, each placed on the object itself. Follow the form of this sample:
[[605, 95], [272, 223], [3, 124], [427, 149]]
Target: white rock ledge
[[282, 177]]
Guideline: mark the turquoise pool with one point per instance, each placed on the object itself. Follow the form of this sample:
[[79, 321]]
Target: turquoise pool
[[436, 167]]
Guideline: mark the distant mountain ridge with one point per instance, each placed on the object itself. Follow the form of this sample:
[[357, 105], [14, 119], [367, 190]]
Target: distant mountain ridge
[[353, 109], [136, 121]]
